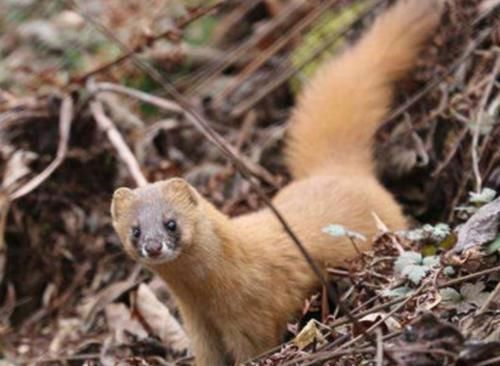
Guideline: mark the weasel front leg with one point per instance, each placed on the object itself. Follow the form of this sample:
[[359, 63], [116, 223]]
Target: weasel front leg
[[208, 352], [207, 343]]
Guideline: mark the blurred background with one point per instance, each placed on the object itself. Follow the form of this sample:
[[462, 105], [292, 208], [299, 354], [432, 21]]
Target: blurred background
[[67, 291]]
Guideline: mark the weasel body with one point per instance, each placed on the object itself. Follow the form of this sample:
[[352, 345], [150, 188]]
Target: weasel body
[[238, 281]]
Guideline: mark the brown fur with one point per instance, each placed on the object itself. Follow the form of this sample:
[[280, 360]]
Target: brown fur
[[239, 281]]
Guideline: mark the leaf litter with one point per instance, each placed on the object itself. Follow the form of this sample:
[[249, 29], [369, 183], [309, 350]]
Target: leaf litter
[[68, 294]]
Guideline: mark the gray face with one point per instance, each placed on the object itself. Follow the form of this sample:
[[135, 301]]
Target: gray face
[[155, 233]]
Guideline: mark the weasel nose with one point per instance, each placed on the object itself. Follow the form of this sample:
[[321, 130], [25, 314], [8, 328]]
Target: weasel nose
[[153, 248]]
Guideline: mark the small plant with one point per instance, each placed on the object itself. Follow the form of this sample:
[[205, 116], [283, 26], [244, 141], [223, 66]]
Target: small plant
[[415, 267], [471, 296], [428, 232], [339, 230], [476, 200]]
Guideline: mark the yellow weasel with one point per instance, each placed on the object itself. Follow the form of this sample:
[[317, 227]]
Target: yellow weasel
[[238, 281]]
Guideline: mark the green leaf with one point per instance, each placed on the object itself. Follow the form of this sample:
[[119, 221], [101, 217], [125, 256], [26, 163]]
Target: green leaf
[[435, 233], [397, 292], [494, 246], [336, 230], [450, 295], [431, 261], [415, 272], [448, 242], [429, 250], [448, 271], [407, 258], [440, 231], [485, 196], [415, 235]]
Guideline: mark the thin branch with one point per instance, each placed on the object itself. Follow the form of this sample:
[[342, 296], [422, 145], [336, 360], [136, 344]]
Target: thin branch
[[388, 315], [379, 356], [284, 74], [490, 362], [479, 121], [254, 168], [402, 301], [483, 36], [145, 97], [4, 210], [452, 153], [277, 46], [344, 320], [171, 33], [493, 295], [208, 75], [65, 119], [106, 125]]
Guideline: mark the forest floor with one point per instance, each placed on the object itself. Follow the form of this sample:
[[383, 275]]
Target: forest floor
[[85, 108]]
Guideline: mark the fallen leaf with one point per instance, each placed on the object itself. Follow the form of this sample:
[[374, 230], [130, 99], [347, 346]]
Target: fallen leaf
[[481, 228], [17, 167], [391, 322], [474, 293], [308, 335], [494, 246], [120, 321], [92, 305]]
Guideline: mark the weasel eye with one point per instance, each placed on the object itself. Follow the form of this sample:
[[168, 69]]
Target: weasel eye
[[136, 232], [171, 225]]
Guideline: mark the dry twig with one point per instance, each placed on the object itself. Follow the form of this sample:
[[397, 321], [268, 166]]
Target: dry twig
[[107, 126], [477, 126], [65, 119]]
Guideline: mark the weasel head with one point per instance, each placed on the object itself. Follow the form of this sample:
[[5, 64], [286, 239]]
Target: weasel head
[[156, 223]]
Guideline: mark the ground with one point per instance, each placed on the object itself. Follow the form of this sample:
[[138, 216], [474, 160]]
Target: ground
[[70, 116]]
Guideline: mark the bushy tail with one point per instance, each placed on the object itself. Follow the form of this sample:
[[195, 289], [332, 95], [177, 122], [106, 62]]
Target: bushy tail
[[338, 114]]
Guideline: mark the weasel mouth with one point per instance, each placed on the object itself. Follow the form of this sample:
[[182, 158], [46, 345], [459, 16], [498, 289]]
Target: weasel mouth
[[153, 249], [157, 251]]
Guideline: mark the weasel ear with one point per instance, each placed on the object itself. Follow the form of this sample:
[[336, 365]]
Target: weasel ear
[[181, 189], [122, 198]]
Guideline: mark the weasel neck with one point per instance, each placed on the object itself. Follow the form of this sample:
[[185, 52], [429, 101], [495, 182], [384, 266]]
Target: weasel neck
[[213, 265]]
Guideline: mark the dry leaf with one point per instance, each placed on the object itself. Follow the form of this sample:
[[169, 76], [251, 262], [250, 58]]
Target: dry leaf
[[481, 228], [92, 305], [308, 335], [120, 319], [392, 323], [17, 167]]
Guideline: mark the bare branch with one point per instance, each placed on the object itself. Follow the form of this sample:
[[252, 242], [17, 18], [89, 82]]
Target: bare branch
[[106, 125], [145, 97], [477, 126], [380, 348], [65, 119], [254, 168]]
